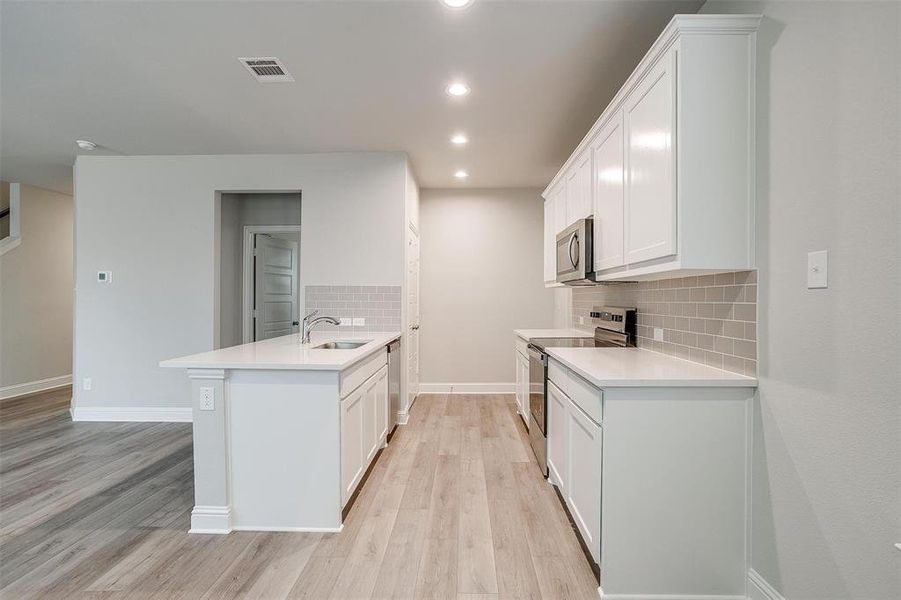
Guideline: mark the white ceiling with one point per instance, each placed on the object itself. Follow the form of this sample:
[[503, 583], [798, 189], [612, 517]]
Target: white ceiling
[[163, 78]]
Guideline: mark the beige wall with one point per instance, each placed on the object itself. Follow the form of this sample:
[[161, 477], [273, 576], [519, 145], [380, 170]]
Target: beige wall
[[482, 277], [36, 292], [827, 448], [152, 221]]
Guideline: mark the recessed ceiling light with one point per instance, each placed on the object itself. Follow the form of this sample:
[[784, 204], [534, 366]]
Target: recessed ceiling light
[[459, 139], [86, 144], [458, 88], [456, 3], [461, 174]]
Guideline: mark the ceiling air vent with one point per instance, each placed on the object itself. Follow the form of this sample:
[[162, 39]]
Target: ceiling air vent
[[267, 69]]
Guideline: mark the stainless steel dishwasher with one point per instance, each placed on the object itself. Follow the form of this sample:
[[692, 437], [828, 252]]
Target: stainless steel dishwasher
[[393, 383]]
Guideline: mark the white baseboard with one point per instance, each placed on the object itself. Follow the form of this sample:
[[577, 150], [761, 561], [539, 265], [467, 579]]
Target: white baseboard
[[467, 388], [31, 387], [290, 529], [211, 519], [601, 594], [760, 589], [402, 417], [138, 414]]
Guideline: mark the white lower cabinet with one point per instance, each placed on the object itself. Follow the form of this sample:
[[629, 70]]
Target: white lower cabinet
[[557, 438], [351, 442], [382, 408], [574, 464], [656, 481], [364, 426], [583, 494]]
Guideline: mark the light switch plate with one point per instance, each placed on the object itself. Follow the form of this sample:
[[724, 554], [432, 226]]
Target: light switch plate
[[817, 265], [359, 321], [207, 398]]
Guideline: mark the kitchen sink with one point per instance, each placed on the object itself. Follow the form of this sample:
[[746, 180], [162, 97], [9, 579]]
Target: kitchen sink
[[341, 345]]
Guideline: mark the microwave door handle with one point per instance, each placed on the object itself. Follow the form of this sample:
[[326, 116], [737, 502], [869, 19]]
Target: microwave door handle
[[574, 259]]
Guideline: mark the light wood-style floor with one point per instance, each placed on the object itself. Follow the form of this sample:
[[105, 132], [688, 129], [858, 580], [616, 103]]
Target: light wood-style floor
[[454, 508]]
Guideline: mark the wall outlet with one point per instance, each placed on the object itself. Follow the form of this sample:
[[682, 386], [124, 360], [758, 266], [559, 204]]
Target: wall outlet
[[86, 384], [345, 322], [658, 334], [359, 321], [817, 263], [104, 276], [207, 398]]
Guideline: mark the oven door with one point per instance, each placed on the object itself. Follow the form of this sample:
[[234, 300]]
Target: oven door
[[574, 253], [537, 387]]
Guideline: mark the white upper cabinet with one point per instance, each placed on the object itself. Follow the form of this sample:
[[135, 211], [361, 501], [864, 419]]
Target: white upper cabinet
[[550, 269], [578, 190], [609, 172], [650, 209], [560, 222], [670, 162]]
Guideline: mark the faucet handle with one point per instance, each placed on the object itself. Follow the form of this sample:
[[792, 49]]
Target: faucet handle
[[312, 314]]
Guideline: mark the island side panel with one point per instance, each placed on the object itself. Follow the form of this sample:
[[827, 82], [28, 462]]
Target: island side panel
[[212, 501], [675, 491], [285, 450]]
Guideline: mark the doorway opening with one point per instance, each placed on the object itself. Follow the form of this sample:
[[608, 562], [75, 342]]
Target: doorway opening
[[259, 268]]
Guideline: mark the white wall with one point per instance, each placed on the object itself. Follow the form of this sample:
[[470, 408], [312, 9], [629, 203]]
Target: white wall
[[482, 277], [36, 295], [827, 472], [236, 212], [151, 220]]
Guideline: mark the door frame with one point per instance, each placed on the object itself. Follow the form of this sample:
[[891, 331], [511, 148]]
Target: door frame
[[247, 290]]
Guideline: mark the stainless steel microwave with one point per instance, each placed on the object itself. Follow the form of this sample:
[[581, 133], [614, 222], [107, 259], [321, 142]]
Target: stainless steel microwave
[[575, 253]]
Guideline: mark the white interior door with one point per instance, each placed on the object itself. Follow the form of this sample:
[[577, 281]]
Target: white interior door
[[413, 316], [275, 287]]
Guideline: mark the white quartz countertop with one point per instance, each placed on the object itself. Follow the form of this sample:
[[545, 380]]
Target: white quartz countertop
[[635, 367], [288, 353], [530, 334]]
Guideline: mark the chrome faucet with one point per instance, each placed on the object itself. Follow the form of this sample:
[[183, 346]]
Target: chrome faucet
[[309, 322]]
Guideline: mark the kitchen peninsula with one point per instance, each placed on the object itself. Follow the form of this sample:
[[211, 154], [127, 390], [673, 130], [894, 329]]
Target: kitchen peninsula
[[284, 432]]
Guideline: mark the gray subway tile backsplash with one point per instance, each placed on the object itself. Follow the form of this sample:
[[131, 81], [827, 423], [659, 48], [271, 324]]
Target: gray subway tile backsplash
[[709, 319], [378, 304]]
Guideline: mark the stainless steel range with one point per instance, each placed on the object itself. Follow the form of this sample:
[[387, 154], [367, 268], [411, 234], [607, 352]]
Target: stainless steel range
[[617, 330]]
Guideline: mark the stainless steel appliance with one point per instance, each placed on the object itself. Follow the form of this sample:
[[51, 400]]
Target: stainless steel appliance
[[575, 253], [393, 383], [617, 330]]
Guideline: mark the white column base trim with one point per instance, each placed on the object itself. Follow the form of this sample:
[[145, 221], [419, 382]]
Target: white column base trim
[[31, 387], [290, 529], [467, 388], [211, 519], [760, 589], [140, 414]]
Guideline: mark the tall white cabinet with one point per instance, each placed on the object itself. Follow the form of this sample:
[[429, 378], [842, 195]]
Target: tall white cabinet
[[667, 170]]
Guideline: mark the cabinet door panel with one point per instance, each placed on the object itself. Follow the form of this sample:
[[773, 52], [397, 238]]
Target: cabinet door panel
[[578, 189], [609, 170], [550, 241], [583, 494], [370, 423], [650, 181], [557, 403], [351, 443], [560, 222], [381, 394]]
